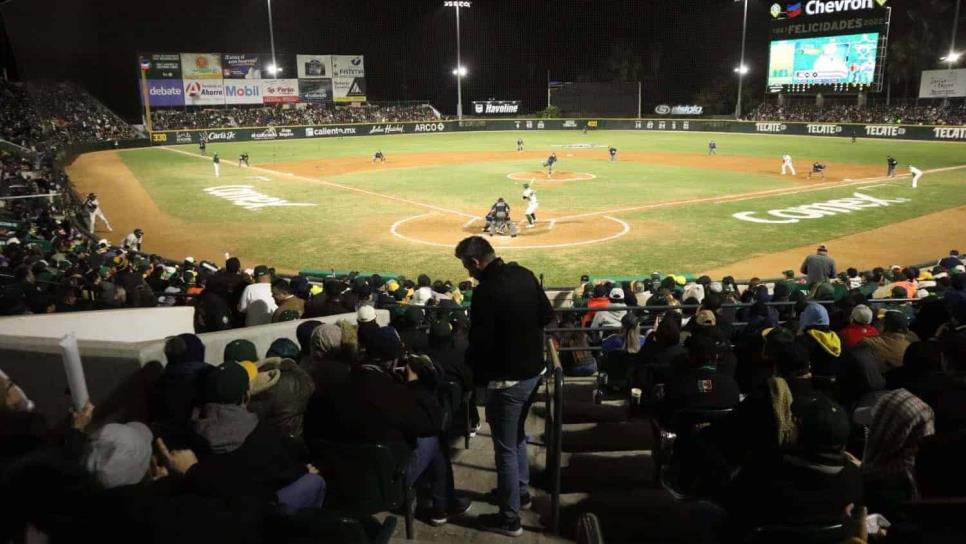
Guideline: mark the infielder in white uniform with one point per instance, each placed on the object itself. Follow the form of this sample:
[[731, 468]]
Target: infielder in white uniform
[[216, 162], [787, 164], [531, 197], [916, 174], [94, 210]]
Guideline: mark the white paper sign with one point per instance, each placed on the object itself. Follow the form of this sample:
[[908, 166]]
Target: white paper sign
[[74, 370]]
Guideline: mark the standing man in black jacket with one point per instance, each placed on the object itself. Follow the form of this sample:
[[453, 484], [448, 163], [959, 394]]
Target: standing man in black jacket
[[508, 313]]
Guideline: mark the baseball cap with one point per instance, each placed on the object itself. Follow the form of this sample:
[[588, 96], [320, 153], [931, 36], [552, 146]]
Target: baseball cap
[[822, 247], [895, 321], [119, 454], [384, 344], [261, 270], [617, 293], [226, 384], [823, 425], [240, 350], [366, 314], [862, 314]]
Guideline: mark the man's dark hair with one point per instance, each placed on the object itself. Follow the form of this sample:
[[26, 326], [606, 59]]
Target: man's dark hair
[[423, 280], [175, 348], [282, 286], [474, 247], [232, 265], [852, 272]]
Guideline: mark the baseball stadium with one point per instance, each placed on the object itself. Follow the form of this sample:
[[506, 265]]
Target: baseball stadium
[[437, 270]]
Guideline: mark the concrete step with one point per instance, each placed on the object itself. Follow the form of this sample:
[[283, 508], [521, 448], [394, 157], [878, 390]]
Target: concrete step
[[606, 471], [607, 436], [642, 515]]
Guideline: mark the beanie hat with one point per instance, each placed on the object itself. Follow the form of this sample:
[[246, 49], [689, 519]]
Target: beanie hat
[[384, 344], [119, 454], [226, 384], [366, 313], [815, 315], [862, 314], [288, 315], [240, 350], [616, 294], [895, 321], [284, 348]]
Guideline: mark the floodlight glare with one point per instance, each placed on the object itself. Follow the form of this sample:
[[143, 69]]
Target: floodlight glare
[[460, 71], [743, 69], [952, 57], [273, 69]]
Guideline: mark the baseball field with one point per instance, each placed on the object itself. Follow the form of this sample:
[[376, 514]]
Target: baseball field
[[664, 205]]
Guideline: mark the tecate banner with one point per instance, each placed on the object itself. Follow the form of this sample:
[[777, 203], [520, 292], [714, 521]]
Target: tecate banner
[[348, 66], [204, 92], [243, 92], [201, 65], [165, 92], [943, 83], [349, 89], [240, 66], [496, 107], [315, 90], [314, 66], [275, 91], [161, 65]]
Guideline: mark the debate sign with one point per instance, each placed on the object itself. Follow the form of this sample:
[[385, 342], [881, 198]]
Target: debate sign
[[165, 92]]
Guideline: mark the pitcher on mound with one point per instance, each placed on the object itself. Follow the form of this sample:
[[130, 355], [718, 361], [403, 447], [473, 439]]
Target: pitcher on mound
[[551, 160], [531, 197]]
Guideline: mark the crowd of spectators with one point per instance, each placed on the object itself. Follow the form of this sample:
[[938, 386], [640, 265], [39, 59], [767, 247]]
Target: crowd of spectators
[[49, 115], [289, 115], [816, 409], [926, 114]]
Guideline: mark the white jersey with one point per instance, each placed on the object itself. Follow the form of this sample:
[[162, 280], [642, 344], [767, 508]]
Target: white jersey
[[530, 196], [786, 159]]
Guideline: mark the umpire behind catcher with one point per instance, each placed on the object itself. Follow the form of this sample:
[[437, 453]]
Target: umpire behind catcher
[[507, 315]]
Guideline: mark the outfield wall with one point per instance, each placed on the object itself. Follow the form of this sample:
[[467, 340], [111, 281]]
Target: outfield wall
[[841, 130]]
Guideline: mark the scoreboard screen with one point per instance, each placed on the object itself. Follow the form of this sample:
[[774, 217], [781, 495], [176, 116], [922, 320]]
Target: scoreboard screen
[[833, 63]]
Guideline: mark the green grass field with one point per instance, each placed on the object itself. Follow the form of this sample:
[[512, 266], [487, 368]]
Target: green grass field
[[351, 229]]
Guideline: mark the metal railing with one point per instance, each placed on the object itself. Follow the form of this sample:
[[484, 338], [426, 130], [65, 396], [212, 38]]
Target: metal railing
[[553, 430]]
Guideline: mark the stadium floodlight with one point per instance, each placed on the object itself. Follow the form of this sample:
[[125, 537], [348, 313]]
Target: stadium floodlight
[[461, 70], [952, 58], [273, 69], [743, 69]]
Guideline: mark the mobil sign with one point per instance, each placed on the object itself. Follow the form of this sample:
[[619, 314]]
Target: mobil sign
[[240, 91], [165, 92]]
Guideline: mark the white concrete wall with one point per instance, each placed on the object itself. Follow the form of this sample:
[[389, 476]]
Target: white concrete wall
[[127, 325]]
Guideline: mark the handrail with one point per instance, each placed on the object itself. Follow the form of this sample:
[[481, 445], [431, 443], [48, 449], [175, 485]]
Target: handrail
[[554, 431]]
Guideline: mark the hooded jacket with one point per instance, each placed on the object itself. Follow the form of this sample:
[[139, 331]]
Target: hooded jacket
[[239, 456], [824, 349], [891, 346]]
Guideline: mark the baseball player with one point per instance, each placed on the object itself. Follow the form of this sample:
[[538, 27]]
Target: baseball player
[[818, 168], [531, 197], [551, 160], [378, 156], [93, 208], [712, 148], [787, 164], [203, 144], [892, 163], [243, 159], [499, 216], [519, 144], [613, 153], [133, 241], [216, 162], [916, 174], [853, 135]]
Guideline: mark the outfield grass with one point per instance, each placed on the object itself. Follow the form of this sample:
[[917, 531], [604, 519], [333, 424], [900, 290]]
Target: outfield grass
[[350, 230]]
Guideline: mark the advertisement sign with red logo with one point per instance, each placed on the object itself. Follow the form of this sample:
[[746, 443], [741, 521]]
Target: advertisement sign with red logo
[[276, 91], [204, 92]]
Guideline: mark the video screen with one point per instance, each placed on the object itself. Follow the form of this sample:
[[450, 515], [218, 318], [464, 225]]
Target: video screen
[[842, 61]]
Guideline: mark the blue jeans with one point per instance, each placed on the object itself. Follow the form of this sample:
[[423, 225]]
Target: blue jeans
[[429, 466], [306, 492], [506, 411]]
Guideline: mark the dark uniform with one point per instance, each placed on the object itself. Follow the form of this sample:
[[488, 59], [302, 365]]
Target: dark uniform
[[613, 153], [499, 216], [551, 160], [379, 157], [243, 158], [712, 148], [519, 144], [817, 168], [202, 145], [892, 167]]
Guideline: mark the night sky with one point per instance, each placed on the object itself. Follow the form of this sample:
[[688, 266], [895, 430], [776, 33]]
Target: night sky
[[679, 47]]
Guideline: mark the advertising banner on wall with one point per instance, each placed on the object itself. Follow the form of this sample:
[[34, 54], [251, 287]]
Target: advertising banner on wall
[[161, 65], [349, 89], [201, 65], [315, 90], [240, 66], [348, 66], [242, 92], [943, 83], [165, 92], [314, 66], [204, 92], [275, 91], [496, 107]]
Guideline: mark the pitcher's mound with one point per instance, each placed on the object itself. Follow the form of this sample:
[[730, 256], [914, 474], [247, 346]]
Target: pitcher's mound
[[541, 175]]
